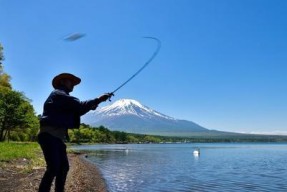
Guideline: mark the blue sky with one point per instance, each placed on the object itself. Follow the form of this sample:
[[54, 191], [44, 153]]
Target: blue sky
[[222, 63]]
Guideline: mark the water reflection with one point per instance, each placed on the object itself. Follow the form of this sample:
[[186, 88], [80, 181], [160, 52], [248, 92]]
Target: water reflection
[[109, 154], [126, 151], [196, 157], [196, 152], [222, 167]]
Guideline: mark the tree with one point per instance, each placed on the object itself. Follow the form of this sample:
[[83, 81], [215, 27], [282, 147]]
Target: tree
[[4, 77], [132, 139], [16, 112], [121, 137], [151, 139]]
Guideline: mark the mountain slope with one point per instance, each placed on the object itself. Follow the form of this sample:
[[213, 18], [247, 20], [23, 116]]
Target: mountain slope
[[131, 116]]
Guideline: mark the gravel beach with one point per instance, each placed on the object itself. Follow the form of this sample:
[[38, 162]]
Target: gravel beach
[[82, 177]]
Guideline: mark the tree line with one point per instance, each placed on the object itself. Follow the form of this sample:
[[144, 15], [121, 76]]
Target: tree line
[[87, 134]]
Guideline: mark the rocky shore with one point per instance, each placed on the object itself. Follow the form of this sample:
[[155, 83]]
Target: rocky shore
[[83, 176]]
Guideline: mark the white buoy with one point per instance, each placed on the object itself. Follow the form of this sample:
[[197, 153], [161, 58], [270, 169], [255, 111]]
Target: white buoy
[[196, 152]]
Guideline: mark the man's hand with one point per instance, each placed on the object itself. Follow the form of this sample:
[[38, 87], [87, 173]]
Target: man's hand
[[105, 97]]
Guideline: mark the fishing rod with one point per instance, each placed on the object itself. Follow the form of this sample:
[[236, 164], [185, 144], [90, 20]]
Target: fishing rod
[[144, 66], [77, 36]]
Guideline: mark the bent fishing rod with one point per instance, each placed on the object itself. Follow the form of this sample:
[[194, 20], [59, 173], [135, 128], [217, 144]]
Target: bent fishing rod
[[77, 36], [144, 66]]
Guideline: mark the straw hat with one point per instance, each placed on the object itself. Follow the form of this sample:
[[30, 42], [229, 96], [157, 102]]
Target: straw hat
[[56, 82]]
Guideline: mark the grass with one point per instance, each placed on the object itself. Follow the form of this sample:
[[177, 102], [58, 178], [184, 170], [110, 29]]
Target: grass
[[20, 152], [13, 151]]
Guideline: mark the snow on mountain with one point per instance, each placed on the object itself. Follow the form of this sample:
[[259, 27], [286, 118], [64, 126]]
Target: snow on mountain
[[131, 116], [130, 107]]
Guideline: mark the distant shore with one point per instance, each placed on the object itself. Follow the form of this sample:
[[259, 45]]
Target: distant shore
[[83, 176]]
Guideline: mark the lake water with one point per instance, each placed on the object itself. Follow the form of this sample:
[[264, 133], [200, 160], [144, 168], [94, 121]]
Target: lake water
[[174, 167]]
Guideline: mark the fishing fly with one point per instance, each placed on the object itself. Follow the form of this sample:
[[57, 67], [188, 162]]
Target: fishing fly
[[74, 36]]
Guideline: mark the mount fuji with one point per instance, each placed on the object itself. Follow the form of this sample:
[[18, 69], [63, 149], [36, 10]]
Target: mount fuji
[[131, 116]]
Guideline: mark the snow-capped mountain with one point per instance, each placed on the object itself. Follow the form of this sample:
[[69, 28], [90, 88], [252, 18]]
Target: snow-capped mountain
[[131, 116], [130, 107]]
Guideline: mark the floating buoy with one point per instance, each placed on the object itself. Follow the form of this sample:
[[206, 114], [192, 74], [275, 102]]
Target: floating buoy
[[196, 152]]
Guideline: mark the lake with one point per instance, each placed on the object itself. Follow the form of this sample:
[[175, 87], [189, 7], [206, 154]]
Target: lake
[[174, 168]]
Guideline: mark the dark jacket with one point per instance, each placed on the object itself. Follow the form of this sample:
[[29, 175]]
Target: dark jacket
[[64, 111]]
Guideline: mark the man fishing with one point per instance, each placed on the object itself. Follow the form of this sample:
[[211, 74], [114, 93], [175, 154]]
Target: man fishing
[[61, 112]]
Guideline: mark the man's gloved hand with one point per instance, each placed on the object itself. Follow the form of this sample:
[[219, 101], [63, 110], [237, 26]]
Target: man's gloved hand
[[105, 97]]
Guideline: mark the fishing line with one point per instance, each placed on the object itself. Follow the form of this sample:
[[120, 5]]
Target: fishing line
[[144, 66], [76, 36]]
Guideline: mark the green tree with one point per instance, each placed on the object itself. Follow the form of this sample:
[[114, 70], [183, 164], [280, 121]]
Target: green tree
[[121, 137], [108, 135], [16, 113], [17, 116], [132, 139], [151, 139], [4, 77]]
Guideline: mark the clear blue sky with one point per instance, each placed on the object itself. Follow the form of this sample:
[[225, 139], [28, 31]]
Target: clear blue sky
[[222, 62]]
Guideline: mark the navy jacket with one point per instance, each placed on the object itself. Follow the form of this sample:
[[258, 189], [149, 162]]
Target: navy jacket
[[64, 111]]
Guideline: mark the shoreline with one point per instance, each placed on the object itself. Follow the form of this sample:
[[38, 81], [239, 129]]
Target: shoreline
[[82, 176]]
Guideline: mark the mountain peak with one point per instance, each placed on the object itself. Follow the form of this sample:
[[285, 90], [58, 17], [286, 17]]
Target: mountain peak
[[131, 116], [130, 107], [127, 102]]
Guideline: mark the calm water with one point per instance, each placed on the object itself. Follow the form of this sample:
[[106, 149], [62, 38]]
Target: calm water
[[174, 168]]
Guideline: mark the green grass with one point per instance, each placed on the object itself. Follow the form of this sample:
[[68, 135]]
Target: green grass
[[12, 151], [24, 155]]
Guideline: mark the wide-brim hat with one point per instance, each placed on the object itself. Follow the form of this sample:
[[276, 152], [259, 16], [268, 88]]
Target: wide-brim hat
[[56, 82]]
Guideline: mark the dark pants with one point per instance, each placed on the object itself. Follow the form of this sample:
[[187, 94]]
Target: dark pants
[[55, 154]]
